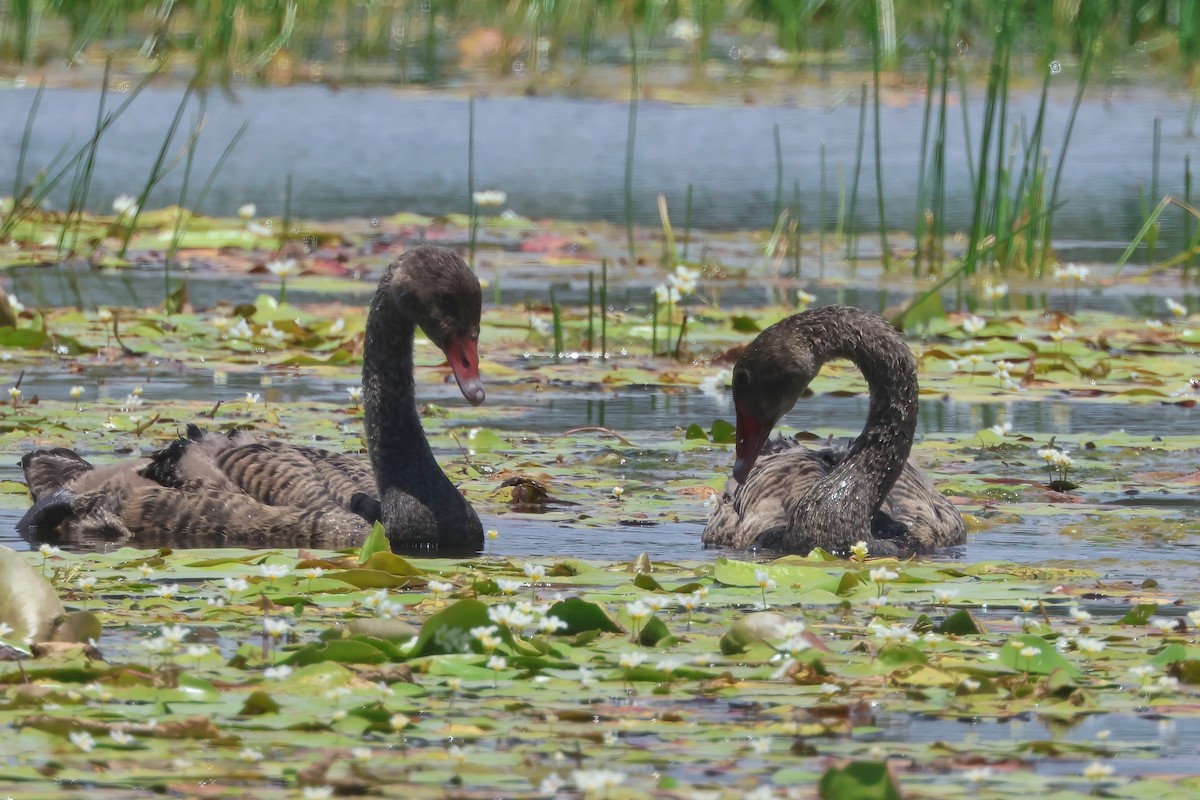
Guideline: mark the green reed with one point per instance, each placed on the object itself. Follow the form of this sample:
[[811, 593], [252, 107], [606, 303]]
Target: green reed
[[631, 136], [778, 206], [591, 326], [604, 308], [852, 238], [1189, 238], [158, 171], [556, 315], [687, 221], [877, 19], [472, 206], [30, 197]]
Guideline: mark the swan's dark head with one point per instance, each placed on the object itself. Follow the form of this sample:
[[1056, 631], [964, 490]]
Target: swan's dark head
[[769, 377], [439, 292]]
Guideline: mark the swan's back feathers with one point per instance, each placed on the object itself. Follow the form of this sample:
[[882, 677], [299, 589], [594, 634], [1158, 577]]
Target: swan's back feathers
[[914, 516], [202, 515]]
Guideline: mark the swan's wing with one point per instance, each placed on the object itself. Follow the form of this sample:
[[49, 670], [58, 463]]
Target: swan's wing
[[51, 469], [751, 512], [294, 475], [272, 473], [201, 515], [933, 521]]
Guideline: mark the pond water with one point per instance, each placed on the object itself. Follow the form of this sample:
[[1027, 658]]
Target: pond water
[[648, 417], [374, 151]]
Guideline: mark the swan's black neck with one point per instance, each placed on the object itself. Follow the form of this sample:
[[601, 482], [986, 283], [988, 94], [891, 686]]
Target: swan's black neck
[[859, 485], [396, 441]]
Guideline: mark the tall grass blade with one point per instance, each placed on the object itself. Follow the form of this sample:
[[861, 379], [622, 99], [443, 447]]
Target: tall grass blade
[[778, 174], [1147, 226], [852, 241], [631, 136], [157, 172], [26, 137]]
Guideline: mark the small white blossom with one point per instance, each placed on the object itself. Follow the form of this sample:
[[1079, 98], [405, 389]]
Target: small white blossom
[[83, 740]]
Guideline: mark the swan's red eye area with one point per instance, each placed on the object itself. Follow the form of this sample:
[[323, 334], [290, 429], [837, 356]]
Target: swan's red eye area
[[463, 354]]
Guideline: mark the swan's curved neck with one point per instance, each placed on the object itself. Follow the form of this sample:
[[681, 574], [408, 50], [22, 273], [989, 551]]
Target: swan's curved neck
[[399, 451], [878, 455]]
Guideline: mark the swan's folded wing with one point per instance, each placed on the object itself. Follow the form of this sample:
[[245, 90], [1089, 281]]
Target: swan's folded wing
[[761, 505], [933, 521], [51, 469], [200, 515]]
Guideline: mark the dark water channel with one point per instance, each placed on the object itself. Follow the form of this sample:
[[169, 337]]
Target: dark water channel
[[375, 151]]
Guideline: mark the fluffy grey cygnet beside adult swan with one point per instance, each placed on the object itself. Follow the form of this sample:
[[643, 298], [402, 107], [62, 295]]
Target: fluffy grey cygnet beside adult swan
[[240, 490], [788, 497]]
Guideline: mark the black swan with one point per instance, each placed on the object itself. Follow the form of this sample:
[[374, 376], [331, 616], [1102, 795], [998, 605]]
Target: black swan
[[785, 496], [238, 490]]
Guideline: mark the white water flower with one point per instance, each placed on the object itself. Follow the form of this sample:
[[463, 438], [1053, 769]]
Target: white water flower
[[277, 673], [509, 616], [977, 775], [973, 324], [883, 575], [125, 206], [167, 590], [276, 627], [1071, 272], [665, 294], [684, 280], [497, 663], [121, 737], [994, 291], [637, 610], [83, 740], [1097, 772], [273, 571], [175, 634], [632, 660], [489, 197], [248, 211], [596, 780], [355, 394], [551, 624], [536, 572], [764, 580], [508, 587], [944, 596], [317, 792], [283, 267]]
